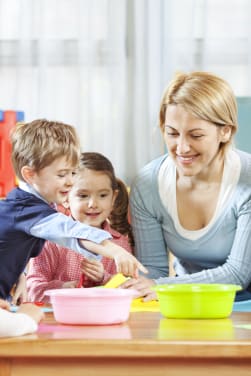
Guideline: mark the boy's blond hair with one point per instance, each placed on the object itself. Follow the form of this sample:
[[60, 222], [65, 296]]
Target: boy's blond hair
[[38, 143]]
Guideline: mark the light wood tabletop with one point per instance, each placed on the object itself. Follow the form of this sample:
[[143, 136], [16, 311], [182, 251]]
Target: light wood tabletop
[[147, 344]]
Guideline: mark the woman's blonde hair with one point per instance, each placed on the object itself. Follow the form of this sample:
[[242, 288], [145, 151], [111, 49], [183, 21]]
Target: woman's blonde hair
[[38, 143], [205, 96]]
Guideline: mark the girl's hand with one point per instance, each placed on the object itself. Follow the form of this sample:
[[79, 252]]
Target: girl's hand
[[143, 286], [93, 269], [20, 291], [69, 285], [125, 262], [31, 310]]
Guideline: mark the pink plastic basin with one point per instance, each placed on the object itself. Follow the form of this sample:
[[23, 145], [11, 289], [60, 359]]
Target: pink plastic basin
[[91, 306]]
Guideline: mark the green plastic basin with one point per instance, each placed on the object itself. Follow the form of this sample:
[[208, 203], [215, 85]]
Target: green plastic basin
[[196, 301]]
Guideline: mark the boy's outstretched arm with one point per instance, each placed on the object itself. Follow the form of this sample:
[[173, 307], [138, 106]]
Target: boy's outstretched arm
[[125, 262]]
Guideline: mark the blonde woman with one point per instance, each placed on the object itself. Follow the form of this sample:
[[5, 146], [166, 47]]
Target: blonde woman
[[196, 200]]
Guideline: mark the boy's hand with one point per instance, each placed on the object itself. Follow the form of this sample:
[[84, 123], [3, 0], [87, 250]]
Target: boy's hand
[[126, 263], [93, 269]]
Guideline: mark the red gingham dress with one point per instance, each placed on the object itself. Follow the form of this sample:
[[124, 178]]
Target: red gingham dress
[[56, 265]]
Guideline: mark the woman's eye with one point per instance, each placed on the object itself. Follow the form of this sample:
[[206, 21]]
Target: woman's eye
[[196, 135]]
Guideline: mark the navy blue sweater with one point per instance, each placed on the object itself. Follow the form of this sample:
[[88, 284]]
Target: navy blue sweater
[[18, 213]]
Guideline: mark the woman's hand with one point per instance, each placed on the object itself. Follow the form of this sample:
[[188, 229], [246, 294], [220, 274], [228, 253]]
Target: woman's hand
[[143, 286], [93, 269]]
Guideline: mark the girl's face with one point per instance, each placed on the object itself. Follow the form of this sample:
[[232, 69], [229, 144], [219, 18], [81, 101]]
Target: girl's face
[[192, 143], [91, 198]]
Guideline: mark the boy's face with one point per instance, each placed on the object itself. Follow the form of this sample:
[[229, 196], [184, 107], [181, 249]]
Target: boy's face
[[54, 182]]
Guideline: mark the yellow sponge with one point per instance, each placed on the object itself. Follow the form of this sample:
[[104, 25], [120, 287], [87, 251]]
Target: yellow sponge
[[115, 281]]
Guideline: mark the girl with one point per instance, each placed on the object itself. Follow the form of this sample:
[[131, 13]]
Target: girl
[[98, 199]]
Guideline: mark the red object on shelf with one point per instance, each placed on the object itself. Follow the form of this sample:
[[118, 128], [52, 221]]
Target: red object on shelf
[[8, 120]]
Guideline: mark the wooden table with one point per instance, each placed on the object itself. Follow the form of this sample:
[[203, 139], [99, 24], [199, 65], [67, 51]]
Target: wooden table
[[146, 345]]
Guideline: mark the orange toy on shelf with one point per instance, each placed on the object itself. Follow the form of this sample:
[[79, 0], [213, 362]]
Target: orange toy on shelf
[[8, 120]]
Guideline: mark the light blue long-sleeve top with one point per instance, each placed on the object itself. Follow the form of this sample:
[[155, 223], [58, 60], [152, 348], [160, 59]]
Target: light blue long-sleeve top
[[64, 230], [221, 255], [26, 222]]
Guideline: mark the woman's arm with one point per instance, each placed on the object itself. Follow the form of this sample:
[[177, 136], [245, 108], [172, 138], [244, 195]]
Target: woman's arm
[[150, 246], [236, 268]]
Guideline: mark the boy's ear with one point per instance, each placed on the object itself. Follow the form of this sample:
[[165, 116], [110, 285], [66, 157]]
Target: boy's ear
[[27, 174]]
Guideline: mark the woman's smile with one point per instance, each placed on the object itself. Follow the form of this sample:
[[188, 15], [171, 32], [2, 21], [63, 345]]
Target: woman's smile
[[186, 160]]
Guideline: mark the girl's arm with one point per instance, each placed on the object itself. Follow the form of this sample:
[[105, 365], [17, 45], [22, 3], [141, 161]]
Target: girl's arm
[[97, 273], [41, 273]]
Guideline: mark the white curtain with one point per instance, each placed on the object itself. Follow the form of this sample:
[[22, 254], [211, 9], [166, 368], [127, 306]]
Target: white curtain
[[102, 65]]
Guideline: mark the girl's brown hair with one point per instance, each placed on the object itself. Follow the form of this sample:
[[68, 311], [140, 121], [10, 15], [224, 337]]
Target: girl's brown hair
[[119, 215]]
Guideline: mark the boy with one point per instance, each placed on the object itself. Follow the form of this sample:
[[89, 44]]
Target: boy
[[45, 156]]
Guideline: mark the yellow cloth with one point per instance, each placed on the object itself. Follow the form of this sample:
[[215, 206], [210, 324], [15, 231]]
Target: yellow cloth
[[115, 281], [139, 306]]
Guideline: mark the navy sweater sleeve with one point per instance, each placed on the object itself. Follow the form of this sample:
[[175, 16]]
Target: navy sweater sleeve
[[18, 213]]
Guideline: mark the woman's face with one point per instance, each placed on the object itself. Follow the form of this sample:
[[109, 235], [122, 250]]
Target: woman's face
[[192, 143], [91, 198]]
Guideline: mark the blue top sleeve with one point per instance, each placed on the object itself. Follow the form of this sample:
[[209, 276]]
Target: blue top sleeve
[[66, 232]]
